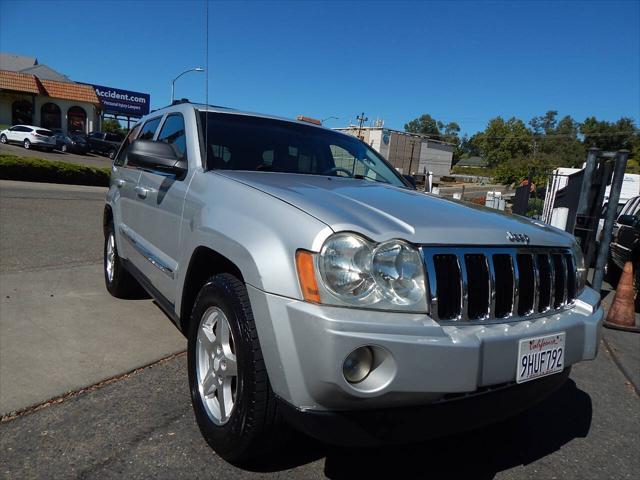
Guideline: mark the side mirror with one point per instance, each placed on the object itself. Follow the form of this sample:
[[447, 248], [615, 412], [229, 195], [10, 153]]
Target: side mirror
[[155, 156], [627, 220], [411, 180]]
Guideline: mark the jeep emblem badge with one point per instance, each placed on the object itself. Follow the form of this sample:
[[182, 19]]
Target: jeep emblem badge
[[518, 237]]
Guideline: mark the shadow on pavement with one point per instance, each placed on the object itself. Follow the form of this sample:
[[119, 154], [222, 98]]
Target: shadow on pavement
[[479, 454], [542, 430]]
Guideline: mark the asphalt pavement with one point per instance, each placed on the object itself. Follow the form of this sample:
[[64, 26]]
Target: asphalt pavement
[[88, 160], [142, 426], [67, 349]]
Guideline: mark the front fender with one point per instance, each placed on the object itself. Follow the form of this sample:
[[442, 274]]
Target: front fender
[[256, 231]]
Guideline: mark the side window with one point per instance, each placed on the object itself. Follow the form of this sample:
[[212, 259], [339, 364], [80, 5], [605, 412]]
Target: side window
[[342, 158], [149, 129], [122, 154], [173, 133]]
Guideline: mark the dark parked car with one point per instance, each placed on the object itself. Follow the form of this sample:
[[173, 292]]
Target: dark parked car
[[625, 245], [104, 143], [71, 143]]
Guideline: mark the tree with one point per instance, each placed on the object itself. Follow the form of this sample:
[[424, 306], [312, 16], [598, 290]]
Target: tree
[[557, 139], [427, 125], [544, 124], [424, 125], [502, 141], [111, 125], [610, 136]]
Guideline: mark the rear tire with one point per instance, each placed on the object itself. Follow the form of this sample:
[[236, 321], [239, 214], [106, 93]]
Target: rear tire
[[119, 282], [26, 144], [112, 154], [249, 428], [64, 148]]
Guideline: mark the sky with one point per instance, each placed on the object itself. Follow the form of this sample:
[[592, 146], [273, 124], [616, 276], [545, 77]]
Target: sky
[[459, 61]]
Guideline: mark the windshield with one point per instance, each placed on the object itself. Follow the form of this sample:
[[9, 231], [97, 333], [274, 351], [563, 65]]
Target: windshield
[[239, 142]]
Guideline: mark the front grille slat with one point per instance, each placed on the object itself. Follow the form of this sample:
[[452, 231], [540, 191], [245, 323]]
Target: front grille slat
[[492, 286], [515, 293], [536, 284], [572, 278], [449, 286], [504, 285], [479, 296], [475, 284], [544, 294]]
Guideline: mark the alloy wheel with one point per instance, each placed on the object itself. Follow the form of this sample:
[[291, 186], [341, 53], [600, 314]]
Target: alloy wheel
[[216, 366], [110, 257]]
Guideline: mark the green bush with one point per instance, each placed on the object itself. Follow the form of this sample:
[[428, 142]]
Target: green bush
[[37, 170]]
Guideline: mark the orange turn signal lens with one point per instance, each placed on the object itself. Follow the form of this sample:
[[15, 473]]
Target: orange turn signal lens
[[307, 276]]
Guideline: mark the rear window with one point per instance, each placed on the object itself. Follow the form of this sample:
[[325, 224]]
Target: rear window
[[48, 133], [113, 137]]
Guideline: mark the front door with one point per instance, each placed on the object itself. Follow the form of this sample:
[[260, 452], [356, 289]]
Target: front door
[[160, 198], [125, 181]]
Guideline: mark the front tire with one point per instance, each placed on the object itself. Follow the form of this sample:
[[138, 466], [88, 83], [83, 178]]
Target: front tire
[[64, 148], [112, 154], [3, 139], [232, 399], [118, 280], [26, 144]]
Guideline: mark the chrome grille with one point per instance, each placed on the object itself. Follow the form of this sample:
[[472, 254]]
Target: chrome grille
[[486, 284]]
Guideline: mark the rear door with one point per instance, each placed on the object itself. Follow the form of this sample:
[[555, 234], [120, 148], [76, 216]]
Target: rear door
[[160, 198]]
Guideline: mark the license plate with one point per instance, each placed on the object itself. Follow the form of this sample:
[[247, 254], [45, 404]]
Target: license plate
[[540, 356]]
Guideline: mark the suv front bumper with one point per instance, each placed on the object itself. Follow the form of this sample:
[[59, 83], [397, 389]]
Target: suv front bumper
[[305, 345]]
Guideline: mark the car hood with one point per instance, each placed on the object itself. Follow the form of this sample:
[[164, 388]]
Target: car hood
[[382, 212]]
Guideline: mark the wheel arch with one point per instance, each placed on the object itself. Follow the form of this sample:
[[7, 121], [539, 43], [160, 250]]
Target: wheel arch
[[204, 263], [107, 217]]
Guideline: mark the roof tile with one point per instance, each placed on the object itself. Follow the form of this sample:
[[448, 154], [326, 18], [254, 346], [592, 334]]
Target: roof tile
[[70, 91], [21, 82], [18, 82]]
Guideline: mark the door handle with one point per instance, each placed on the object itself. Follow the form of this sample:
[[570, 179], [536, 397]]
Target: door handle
[[119, 182], [141, 191]]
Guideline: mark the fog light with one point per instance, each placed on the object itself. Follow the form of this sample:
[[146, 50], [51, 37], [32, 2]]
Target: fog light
[[357, 365]]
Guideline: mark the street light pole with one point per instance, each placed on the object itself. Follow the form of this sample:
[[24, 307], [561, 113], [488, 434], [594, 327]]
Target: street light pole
[[329, 118], [173, 82]]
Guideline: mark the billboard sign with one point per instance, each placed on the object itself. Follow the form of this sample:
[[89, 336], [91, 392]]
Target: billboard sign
[[122, 102]]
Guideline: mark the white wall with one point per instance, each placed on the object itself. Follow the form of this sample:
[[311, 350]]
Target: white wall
[[7, 99]]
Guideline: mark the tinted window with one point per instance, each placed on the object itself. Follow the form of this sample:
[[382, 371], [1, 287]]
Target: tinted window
[[174, 134], [48, 133], [95, 135], [149, 129], [237, 142], [113, 137], [121, 159]]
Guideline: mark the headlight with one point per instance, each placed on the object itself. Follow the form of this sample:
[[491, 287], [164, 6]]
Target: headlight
[[345, 268], [581, 268], [353, 271], [398, 271]]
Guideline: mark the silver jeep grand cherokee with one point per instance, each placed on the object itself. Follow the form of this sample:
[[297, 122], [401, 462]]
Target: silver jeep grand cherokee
[[318, 290]]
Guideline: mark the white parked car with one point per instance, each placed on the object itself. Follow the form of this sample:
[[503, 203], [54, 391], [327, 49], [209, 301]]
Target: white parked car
[[29, 136]]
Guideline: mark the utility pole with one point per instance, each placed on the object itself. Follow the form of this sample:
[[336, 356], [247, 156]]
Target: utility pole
[[361, 119]]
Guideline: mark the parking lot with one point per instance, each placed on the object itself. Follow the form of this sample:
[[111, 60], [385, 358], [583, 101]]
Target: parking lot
[[61, 332], [89, 160]]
